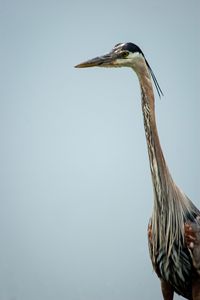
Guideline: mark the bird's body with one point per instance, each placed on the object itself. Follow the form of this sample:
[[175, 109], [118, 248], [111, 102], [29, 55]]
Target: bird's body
[[172, 258], [172, 209]]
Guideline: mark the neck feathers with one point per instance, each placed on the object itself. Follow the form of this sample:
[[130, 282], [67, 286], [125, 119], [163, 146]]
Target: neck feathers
[[160, 174], [171, 206]]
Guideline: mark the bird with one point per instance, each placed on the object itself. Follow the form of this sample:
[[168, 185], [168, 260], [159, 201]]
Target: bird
[[174, 226]]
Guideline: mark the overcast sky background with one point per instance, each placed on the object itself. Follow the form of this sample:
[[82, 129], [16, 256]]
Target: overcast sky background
[[75, 186]]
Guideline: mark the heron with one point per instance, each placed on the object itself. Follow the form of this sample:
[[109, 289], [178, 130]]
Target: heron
[[174, 227]]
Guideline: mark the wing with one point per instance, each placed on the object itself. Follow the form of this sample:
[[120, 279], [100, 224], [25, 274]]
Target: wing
[[192, 239]]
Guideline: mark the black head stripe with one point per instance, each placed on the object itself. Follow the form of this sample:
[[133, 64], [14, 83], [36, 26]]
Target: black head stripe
[[135, 49], [132, 48]]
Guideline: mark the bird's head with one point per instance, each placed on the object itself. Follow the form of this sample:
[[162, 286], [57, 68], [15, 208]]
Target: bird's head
[[123, 55]]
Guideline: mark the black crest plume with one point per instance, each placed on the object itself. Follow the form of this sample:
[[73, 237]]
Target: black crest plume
[[134, 48], [158, 88]]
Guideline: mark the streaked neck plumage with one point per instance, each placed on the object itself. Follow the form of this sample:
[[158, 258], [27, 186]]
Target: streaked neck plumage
[[160, 175], [171, 206]]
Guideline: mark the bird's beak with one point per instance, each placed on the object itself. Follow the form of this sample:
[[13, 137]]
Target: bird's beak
[[107, 60]]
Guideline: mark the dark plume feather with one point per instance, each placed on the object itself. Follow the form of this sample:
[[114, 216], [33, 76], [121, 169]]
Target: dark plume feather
[[158, 88]]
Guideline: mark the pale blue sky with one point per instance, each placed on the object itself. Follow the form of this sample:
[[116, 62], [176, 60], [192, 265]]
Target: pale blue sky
[[75, 187]]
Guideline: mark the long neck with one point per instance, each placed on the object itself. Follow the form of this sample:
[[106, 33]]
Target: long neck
[[171, 206], [160, 174]]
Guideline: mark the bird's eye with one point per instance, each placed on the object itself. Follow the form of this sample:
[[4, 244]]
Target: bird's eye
[[124, 54]]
